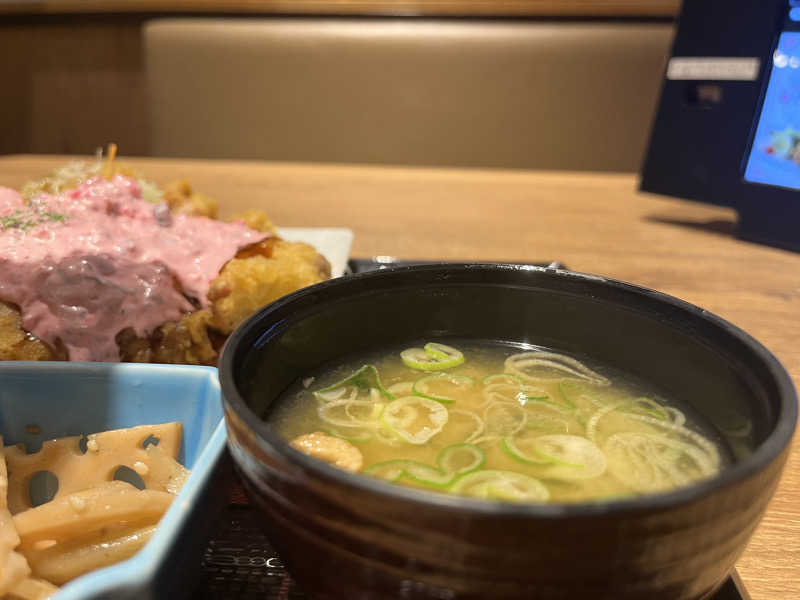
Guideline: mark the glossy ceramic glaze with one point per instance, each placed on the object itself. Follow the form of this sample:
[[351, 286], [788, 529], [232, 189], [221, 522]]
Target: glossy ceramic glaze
[[351, 537]]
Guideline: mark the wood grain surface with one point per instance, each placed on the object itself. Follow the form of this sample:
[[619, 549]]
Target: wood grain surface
[[591, 222], [629, 8]]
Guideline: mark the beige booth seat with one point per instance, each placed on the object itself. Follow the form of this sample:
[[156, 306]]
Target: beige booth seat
[[517, 94]]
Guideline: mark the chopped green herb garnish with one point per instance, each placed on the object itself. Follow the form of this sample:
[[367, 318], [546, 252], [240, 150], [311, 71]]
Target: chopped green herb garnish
[[54, 216], [28, 218]]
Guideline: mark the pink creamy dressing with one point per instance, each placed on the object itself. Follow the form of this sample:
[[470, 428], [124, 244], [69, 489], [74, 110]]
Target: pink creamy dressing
[[92, 261]]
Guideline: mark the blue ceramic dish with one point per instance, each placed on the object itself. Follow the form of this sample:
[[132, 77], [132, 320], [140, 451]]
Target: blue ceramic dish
[[75, 398]]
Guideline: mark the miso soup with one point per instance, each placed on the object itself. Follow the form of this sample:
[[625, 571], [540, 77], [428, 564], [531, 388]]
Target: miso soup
[[498, 423]]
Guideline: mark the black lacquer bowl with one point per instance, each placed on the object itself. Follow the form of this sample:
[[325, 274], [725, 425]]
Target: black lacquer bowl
[[351, 537]]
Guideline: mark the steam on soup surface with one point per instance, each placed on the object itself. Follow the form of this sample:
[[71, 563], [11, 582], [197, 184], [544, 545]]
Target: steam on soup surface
[[496, 423]]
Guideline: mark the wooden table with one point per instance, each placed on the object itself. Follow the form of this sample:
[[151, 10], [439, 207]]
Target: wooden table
[[592, 223]]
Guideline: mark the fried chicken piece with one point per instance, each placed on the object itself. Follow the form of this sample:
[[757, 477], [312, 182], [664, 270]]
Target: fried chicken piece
[[260, 275], [187, 342], [255, 219], [18, 344], [182, 200]]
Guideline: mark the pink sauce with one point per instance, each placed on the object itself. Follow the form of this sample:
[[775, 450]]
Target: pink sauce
[[88, 263]]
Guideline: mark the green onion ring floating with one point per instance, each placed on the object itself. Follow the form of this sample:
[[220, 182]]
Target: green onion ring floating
[[647, 406], [504, 418], [392, 470], [396, 416], [340, 412], [433, 357], [457, 382], [503, 379], [564, 366], [357, 437], [519, 453], [501, 485], [428, 475], [455, 460], [508, 387], [364, 378], [480, 425], [461, 459], [401, 388], [573, 457]]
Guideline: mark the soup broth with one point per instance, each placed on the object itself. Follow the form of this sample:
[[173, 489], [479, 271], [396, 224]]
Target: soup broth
[[497, 423]]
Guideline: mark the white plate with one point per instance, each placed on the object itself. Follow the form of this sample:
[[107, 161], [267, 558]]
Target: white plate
[[332, 242]]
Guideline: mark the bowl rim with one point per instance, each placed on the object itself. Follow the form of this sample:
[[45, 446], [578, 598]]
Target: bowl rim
[[776, 442]]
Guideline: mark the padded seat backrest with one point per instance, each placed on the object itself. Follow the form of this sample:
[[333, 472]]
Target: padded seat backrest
[[514, 94]]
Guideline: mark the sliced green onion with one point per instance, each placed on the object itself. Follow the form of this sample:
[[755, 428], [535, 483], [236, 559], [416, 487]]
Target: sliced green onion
[[501, 485], [442, 352], [648, 462], [503, 392], [331, 395], [522, 452], [678, 418], [364, 378], [433, 357], [695, 439], [401, 388], [390, 470], [416, 358], [461, 459], [564, 389], [427, 475], [384, 435], [536, 394], [545, 402], [647, 406], [502, 378], [504, 418], [447, 381], [351, 413], [548, 423], [511, 388], [364, 414], [403, 416], [485, 439], [393, 470], [591, 424], [357, 437], [478, 424], [573, 457], [550, 366]]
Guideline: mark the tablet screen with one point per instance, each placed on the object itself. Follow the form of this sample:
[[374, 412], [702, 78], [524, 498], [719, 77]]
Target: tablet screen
[[774, 157]]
